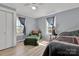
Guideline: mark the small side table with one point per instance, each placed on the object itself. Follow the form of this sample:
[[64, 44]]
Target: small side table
[[52, 37]]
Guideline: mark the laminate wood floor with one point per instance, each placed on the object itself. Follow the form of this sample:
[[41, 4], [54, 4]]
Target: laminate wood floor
[[28, 50]]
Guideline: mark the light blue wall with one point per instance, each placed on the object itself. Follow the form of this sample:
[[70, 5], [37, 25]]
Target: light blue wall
[[65, 21], [30, 24], [42, 25]]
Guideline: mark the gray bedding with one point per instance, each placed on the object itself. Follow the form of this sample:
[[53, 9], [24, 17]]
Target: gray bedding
[[66, 44], [58, 48]]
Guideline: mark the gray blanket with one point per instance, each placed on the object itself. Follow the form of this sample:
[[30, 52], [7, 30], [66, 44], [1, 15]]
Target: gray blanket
[[58, 48]]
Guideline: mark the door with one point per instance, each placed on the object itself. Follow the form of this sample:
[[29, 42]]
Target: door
[[9, 30], [2, 30]]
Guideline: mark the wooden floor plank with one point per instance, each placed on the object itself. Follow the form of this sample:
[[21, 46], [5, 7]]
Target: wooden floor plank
[[21, 50]]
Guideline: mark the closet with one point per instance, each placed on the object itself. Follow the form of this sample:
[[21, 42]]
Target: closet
[[7, 28]]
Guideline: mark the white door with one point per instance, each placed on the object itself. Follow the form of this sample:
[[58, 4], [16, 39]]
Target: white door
[[2, 30], [9, 39]]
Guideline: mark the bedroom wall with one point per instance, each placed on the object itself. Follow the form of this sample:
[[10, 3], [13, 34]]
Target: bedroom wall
[[65, 21], [30, 24], [42, 25]]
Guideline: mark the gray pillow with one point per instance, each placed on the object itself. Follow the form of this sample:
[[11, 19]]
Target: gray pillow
[[71, 33], [65, 34]]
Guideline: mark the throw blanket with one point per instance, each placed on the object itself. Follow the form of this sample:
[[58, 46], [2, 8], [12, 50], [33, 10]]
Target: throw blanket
[[59, 48], [33, 37]]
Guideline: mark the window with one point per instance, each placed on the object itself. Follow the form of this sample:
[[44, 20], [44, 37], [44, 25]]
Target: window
[[49, 28], [19, 27], [51, 24]]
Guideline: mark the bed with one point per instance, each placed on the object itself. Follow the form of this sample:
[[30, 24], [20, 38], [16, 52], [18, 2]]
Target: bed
[[59, 48], [33, 38], [66, 44]]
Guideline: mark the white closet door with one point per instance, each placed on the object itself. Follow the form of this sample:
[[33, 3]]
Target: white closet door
[[9, 39], [2, 30]]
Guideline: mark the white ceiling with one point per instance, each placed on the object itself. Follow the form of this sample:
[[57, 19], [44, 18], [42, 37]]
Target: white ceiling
[[43, 9]]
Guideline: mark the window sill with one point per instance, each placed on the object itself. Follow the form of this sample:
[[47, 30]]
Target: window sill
[[19, 34]]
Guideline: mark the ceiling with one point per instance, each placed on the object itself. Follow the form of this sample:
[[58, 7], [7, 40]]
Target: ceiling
[[43, 9]]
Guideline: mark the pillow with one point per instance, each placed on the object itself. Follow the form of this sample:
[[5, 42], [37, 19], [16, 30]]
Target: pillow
[[69, 39], [76, 40], [65, 34], [65, 39], [34, 32], [71, 33]]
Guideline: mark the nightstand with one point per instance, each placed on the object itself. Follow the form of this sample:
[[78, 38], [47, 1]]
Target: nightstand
[[52, 37]]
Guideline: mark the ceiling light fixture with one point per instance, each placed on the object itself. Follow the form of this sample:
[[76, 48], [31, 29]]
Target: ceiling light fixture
[[34, 7]]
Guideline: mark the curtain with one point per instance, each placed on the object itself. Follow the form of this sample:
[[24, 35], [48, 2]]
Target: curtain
[[50, 20], [22, 21]]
